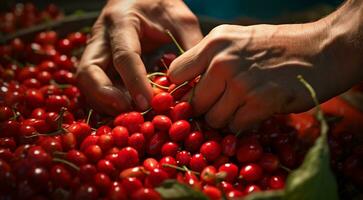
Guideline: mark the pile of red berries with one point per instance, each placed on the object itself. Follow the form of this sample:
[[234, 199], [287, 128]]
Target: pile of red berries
[[26, 15], [51, 148]]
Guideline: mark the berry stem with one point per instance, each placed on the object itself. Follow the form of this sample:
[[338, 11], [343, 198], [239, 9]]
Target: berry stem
[[285, 168], [175, 42], [179, 86], [164, 64], [61, 86], [184, 168], [159, 86], [75, 167], [89, 115], [146, 111], [156, 74]]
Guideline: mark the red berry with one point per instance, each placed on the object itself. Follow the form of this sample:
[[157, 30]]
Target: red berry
[[131, 184], [128, 157], [162, 102], [183, 158], [145, 193], [137, 141], [179, 130], [252, 188], [229, 145], [198, 162], [181, 111], [120, 136], [251, 172], [161, 122], [194, 141], [212, 192], [231, 171], [249, 151], [132, 121], [276, 182], [150, 164], [210, 150], [269, 162], [169, 149], [93, 153]]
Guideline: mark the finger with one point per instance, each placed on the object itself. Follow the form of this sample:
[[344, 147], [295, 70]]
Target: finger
[[92, 80], [260, 104], [188, 65], [233, 97], [100, 92], [125, 45]]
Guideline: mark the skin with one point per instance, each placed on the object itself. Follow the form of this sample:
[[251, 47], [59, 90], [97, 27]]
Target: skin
[[124, 30], [249, 71]]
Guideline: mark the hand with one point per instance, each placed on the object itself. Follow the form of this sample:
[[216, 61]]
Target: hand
[[125, 29], [249, 73]]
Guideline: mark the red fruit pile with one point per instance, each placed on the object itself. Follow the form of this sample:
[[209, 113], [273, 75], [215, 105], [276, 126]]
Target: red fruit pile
[[51, 148], [26, 15]]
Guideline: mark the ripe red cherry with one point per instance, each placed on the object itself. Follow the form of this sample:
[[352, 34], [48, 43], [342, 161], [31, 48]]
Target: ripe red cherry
[[156, 177], [80, 130], [34, 98], [251, 172], [93, 153], [39, 157], [194, 141], [169, 149], [198, 162], [231, 171], [210, 150], [106, 167], [183, 158], [87, 191], [131, 184], [120, 136], [252, 188], [162, 102], [128, 157], [179, 130], [168, 160], [39, 176], [287, 155], [50, 145], [229, 145], [234, 194], [5, 113], [86, 172], [39, 113], [137, 141], [161, 122], [208, 175], [102, 181], [117, 192], [103, 130], [88, 141], [76, 157], [156, 142], [276, 182], [249, 150], [105, 141], [147, 129], [145, 193], [150, 164], [269, 162], [182, 110], [132, 121], [225, 186], [60, 176], [212, 192]]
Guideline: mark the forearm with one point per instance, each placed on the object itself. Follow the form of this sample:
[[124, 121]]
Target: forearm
[[343, 44]]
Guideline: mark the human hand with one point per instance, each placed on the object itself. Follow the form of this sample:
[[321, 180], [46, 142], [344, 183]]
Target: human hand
[[125, 29], [249, 73]]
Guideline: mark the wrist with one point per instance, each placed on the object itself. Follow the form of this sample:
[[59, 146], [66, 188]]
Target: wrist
[[341, 42]]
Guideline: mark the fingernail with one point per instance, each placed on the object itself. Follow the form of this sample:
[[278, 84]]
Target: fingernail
[[142, 102]]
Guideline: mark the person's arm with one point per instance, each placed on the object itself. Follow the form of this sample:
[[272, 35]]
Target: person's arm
[[249, 72], [125, 29]]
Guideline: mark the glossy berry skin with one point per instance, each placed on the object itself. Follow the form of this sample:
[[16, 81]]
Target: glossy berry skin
[[179, 130], [183, 158], [212, 192], [181, 111], [231, 171], [102, 181], [161, 122], [252, 188], [147, 129], [198, 162], [210, 150], [86, 172], [120, 136], [87, 191], [251, 172], [145, 193], [105, 166], [162, 102], [156, 177], [93, 153], [193, 142], [128, 157], [234, 194], [150, 164], [168, 160], [169, 149], [131, 184], [229, 145], [76, 157], [249, 151], [269, 162], [208, 175], [117, 192], [276, 182], [60, 176], [132, 121], [137, 141]]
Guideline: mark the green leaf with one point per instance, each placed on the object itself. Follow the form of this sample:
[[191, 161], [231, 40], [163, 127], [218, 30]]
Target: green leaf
[[173, 190], [313, 180], [270, 195]]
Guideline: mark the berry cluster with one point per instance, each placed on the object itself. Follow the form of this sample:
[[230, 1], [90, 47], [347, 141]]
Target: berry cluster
[[51, 148], [26, 15]]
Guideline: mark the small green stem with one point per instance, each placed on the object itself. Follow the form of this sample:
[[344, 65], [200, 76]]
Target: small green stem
[[89, 115], [179, 86], [184, 168], [146, 111], [75, 167], [175, 42], [159, 86], [285, 168]]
